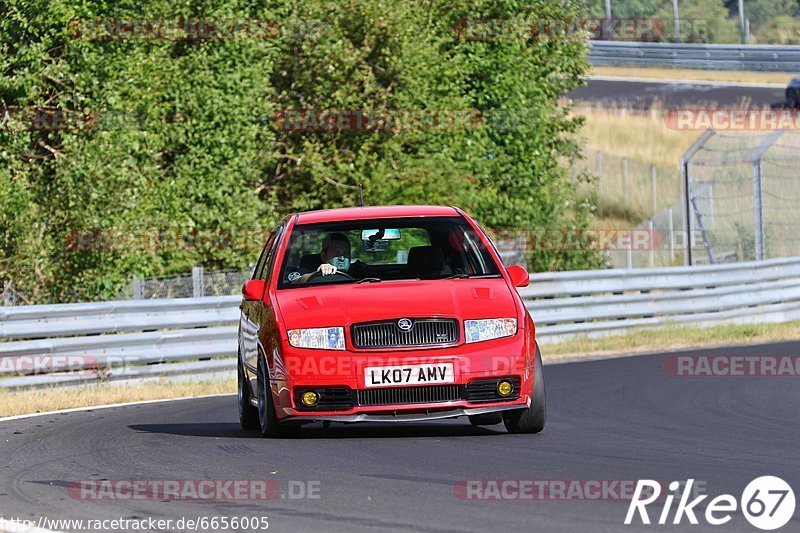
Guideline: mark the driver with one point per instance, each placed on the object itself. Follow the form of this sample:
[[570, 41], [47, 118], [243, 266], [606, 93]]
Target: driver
[[334, 257]]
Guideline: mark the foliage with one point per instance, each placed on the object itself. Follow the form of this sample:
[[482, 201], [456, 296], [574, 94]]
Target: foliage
[[178, 136]]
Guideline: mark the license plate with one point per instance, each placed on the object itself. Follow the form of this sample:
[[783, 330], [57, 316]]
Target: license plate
[[386, 376]]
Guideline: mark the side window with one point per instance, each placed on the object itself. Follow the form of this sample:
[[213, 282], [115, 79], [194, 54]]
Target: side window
[[271, 251], [263, 257]]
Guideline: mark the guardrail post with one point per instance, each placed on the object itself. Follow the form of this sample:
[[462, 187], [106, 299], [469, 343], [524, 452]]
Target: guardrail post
[[138, 288], [197, 282]]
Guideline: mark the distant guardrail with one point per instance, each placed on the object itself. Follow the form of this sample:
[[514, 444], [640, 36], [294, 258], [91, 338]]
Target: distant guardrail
[[141, 339], [777, 58]]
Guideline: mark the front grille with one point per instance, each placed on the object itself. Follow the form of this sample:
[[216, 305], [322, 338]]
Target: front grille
[[330, 398], [408, 395], [423, 332]]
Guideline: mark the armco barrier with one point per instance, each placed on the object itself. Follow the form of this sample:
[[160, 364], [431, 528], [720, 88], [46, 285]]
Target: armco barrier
[[776, 58], [141, 339]]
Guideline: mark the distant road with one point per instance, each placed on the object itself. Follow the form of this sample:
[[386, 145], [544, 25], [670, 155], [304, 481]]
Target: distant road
[[641, 94]]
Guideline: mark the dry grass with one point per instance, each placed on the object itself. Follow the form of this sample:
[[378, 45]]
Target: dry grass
[[691, 74], [640, 136], [671, 338], [41, 400]]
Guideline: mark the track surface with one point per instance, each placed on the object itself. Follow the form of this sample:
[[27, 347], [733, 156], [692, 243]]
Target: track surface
[[643, 94], [620, 419]]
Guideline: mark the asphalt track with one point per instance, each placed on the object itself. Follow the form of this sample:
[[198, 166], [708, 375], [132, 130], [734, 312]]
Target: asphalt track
[[642, 95], [613, 419]]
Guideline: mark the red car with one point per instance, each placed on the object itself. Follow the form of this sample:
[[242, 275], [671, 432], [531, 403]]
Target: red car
[[386, 314]]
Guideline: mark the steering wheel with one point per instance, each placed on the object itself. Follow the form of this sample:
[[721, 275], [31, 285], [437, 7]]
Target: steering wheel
[[316, 276]]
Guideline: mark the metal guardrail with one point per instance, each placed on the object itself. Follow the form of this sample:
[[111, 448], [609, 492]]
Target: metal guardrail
[[143, 339], [776, 58]]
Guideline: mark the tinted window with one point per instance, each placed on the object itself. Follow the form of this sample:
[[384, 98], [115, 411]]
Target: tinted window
[[386, 249]]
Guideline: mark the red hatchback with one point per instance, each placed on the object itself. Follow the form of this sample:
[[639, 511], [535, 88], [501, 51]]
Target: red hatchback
[[386, 314]]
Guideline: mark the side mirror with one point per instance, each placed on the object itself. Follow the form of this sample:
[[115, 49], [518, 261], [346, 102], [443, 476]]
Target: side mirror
[[519, 276], [253, 290]]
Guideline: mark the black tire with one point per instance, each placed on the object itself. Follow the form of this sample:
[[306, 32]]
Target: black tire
[[267, 420], [531, 419], [248, 415], [486, 419], [792, 99]]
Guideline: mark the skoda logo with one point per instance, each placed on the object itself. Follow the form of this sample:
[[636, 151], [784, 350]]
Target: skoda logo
[[405, 324]]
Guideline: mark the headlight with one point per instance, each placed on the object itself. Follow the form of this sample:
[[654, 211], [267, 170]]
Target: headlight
[[318, 338], [492, 328]]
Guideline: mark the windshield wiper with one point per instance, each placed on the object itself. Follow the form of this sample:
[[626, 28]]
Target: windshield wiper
[[458, 276], [369, 280]]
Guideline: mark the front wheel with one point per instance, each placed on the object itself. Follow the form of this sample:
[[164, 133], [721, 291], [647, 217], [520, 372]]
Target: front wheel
[[267, 420], [248, 415], [531, 419]]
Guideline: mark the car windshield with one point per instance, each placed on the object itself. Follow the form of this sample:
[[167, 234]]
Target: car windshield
[[376, 250]]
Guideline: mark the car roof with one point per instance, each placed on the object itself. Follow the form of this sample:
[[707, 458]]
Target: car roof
[[385, 211]]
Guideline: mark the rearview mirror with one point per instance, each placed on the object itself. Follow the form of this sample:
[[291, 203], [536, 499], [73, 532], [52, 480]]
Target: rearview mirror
[[253, 290], [519, 276], [387, 234]]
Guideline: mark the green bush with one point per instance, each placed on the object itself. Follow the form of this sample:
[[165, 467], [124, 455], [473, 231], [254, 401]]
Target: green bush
[[181, 135]]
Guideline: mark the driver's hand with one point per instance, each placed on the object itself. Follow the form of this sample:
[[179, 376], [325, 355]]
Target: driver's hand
[[326, 269]]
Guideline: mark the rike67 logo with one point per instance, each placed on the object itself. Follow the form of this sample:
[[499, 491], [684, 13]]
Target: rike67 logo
[[767, 502]]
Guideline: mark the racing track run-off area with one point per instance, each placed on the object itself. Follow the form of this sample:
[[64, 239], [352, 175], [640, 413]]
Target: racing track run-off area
[[610, 422]]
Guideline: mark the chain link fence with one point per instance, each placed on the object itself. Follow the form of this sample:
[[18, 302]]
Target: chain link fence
[[198, 283], [743, 196]]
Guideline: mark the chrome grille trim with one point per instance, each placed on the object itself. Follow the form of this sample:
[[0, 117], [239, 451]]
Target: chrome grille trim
[[386, 334]]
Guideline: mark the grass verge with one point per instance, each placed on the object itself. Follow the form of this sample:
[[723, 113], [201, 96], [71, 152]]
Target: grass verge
[[692, 74], [671, 338], [52, 399]]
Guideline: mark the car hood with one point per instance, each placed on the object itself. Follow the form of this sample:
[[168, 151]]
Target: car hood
[[345, 304]]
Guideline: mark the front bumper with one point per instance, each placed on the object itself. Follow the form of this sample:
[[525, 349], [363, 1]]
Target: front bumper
[[399, 415]]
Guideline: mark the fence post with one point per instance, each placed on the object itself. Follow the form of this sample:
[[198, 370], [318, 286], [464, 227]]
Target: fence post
[[625, 179], [138, 288], [653, 178], [759, 212], [599, 173], [671, 235], [652, 248], [8, 294], [574, 174], [197, 282]]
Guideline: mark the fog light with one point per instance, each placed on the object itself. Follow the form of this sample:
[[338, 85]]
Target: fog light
[[504, 388], [309, 398]]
